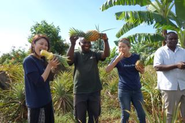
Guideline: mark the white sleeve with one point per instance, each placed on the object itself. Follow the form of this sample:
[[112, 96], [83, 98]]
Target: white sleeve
[[158, 58]]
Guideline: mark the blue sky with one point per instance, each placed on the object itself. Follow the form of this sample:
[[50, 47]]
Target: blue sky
[[18, 16]]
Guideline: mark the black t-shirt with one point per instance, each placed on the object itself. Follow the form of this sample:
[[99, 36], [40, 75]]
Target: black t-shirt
[[86, 73]]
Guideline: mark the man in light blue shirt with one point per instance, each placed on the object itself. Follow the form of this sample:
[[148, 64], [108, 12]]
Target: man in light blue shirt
[[169, 62]]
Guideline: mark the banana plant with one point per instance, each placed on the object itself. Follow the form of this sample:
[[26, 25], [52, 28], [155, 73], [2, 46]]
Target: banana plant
[[158, 13]]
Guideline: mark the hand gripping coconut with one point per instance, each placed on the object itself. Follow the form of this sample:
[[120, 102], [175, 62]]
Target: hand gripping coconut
[[140, 63], [49, 55]]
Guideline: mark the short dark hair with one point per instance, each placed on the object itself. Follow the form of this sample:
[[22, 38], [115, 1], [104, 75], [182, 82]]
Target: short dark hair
[[169, 34], [38, 37]]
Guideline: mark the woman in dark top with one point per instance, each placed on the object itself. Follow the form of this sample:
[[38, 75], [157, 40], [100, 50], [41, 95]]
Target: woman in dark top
[[129, 86], [37, 73]]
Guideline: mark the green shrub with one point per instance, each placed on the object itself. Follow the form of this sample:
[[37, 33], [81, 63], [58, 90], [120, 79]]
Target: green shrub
[[12, 106], [62, 92]]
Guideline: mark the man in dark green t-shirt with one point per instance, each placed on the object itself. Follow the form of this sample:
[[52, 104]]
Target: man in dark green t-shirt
[[87, 85]]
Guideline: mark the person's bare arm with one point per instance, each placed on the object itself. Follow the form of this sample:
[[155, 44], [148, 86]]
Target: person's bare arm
[[111, 66], [106, 51], [141, 69], [70, 52], [52, 63], [180, 65]]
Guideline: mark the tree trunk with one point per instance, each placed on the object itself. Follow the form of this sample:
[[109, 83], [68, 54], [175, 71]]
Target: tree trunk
[[164, 32]]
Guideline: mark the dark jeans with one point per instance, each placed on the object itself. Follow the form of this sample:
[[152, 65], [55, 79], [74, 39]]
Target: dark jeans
[[41, 115], [125, 98], [87, 103]]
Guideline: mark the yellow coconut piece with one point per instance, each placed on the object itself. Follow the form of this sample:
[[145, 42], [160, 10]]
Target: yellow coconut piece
[[48, 55]]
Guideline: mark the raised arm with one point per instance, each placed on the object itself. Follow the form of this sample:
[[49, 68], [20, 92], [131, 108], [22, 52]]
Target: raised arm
[[70, 52], [51, 64], [106, 51], [111, 66]]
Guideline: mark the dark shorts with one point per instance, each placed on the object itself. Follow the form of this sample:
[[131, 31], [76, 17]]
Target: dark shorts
[[87, 103], [44, 114]]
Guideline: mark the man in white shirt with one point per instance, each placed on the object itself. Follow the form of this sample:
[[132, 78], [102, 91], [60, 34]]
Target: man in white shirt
[[169, 62]]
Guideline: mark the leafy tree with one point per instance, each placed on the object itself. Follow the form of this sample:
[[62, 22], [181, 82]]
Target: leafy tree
[[57, 43], [5, 57], [15, 56]]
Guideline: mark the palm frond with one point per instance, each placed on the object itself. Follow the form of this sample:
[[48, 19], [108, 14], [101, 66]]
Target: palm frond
[[136, 18], [180, 8], [145, 37], [110, 3], [143, 16], [167, 27], [127, 27]]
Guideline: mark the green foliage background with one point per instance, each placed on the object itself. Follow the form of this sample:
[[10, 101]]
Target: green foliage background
[[58, 44]]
